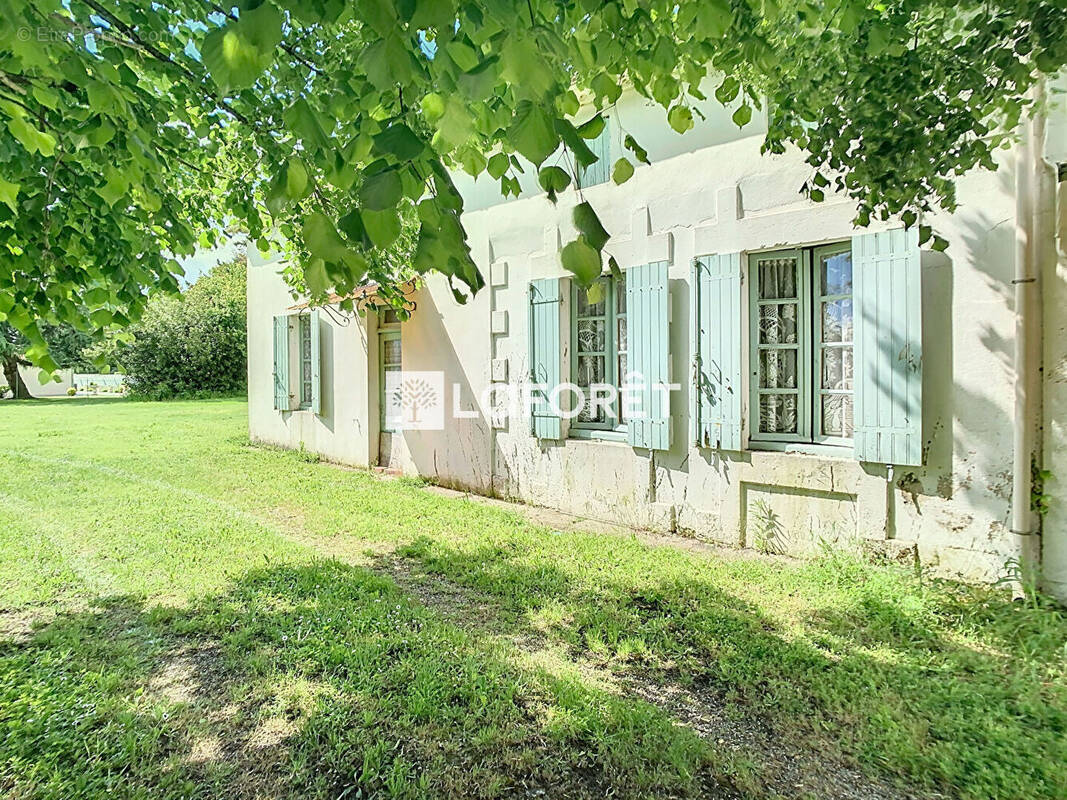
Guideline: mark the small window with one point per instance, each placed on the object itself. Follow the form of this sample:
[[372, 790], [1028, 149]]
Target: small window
[[305, 361], [801, 342], [390, 358], [388, 316], [599, 341]]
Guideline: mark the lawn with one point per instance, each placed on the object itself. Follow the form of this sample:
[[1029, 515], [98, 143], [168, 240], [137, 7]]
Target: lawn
[[185, 615]]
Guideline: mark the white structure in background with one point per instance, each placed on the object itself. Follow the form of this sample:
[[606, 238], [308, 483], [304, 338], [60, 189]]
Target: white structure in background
[[54, 388], [839, 385]]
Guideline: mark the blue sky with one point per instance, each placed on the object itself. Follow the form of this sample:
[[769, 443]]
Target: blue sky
[[203, 260]]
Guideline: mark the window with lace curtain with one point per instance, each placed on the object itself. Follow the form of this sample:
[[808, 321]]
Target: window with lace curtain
[[801, 345], [600, 351]]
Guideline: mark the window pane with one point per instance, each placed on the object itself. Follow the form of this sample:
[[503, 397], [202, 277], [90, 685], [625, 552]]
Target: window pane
[[620, 294], [620, 334], [389, 316], [305, 337], [837, 368], [392, 351], [392, 395], [836, 272], [590, 371], [585, 309], [591, 335], [778, 369], [837, 321], [778, 324], [778, 413], [837, 414], [777, 278]]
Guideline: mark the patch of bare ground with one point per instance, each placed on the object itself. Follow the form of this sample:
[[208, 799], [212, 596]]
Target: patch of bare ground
[[239, 737], [783, 766], [18, 624]]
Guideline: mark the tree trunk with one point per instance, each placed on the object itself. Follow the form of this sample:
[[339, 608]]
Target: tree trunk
[[14, 379]]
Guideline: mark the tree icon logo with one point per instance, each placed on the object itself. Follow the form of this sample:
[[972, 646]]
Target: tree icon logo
[[417, 399]]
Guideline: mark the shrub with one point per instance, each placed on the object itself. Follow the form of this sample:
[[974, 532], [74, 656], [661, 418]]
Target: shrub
[[193, 345], [71, 391]]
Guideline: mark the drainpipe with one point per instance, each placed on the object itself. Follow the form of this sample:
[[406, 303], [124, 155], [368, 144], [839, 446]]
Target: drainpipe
[[1029, 207]]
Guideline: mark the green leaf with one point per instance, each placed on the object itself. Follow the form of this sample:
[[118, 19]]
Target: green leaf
[[33, 140], [318, 281], [531, 133], [582, 260], [296, 179], [595, 293], [588, 224], [553, 179], [306, 123], [742, 115], [630, 143], [498, 165], [381, 191], [323, 241], [592, 128], [622, 171], [351, 225], [728, 90], [239, 52], [116, 187], [455, 126], [8, 192], [680, 118], [383, 227], [433, 107], [604, 86], [398, 141]]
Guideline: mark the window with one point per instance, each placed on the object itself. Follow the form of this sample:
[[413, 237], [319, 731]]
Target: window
[[598, 334], [801, 344], [306, 378], [390, 359]]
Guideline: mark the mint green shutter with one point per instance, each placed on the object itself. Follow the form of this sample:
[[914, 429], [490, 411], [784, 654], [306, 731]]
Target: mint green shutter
[[716, 303], [545, 301], [887, 297], [648, 337], [600, 171], [281, 363], [316, 389]]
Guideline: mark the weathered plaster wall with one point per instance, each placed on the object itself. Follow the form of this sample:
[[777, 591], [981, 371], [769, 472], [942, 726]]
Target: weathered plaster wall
[[719, 198]]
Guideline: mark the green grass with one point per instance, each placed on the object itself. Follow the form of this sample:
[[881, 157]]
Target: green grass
[[214, 619]]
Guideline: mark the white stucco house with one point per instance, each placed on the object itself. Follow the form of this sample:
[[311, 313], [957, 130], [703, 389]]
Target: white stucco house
[[834, 385]]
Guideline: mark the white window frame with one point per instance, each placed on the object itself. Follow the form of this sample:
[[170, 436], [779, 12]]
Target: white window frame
[[809, 349]]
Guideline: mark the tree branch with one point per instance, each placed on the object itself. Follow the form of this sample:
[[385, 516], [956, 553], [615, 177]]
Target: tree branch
[[288, 49], [159, 55]]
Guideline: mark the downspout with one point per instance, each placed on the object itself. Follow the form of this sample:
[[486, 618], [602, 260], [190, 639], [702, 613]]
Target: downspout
[[1029, 208]]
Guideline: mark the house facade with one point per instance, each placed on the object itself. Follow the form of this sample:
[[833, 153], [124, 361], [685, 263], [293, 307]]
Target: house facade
[[800, 383]]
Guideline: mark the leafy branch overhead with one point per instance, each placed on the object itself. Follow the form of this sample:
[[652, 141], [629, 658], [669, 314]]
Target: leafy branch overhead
[[331, 129]]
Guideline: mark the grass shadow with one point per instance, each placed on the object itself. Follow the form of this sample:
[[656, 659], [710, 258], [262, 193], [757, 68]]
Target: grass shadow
[[953, 689], [318, 680]]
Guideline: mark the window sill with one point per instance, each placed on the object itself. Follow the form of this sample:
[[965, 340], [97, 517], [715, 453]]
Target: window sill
[[842, 451], [597, 435]]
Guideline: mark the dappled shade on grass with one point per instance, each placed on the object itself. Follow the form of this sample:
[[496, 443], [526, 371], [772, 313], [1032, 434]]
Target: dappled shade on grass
[[315, 676], [367, 693]]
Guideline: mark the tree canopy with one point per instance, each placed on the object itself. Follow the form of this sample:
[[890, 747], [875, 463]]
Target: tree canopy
[[132, 131]]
